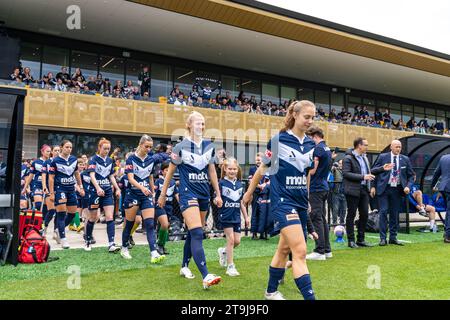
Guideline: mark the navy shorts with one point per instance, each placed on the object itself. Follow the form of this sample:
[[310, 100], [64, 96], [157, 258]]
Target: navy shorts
[[142, 202], [36, 191], [236, 226], [159, 212], [96, 201], [284, 215], [62, 196], [188, 201]]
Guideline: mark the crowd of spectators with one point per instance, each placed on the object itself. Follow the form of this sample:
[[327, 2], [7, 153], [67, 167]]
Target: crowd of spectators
[[206, 97]]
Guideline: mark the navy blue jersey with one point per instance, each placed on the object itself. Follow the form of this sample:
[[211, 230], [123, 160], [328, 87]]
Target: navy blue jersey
[[142, 170], [36, 169], [231, 193], [23, 174], [289, 159], [192, 161], [45, 170], [103, 168], [64, 170], [172, 190], [123, 182], [319, 179], [85, 180]]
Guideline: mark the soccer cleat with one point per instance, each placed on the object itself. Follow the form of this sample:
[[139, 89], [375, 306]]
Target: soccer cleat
[[44, 232], [125, 253], [113, 248], [131, 242], [222, 257], [328, 255], [65, 244], [157, 258], [93, 240], [87, 246], [315, 256], [73, 228], [56, 237], [80, 227], [186, 272], [274, 296], [232, 272], [210, 280]]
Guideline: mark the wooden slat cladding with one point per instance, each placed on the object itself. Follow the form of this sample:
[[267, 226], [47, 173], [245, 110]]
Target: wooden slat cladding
[[277, 25]]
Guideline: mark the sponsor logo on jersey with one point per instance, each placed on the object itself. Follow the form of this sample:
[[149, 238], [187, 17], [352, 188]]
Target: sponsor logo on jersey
[[69, 180], [232, 204], [198, 177], [294, 182]]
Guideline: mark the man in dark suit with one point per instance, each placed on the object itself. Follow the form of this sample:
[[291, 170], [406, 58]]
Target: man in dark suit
[[391, 186], [443, 172], [357, 182]]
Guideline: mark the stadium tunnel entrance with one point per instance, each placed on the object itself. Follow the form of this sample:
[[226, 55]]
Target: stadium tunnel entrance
[[424, 152]]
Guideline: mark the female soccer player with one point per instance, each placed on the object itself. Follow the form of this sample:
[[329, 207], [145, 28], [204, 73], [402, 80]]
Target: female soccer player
[[76, 224], [101, 172], [63, 175], [164, 214], [51, 211], [23, 177], [194, 157], [289, 156], [138, 168], [230, 214], [35, 178]]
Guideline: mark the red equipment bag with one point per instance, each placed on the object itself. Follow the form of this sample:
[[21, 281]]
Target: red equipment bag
[[29, 217], [34, 248]]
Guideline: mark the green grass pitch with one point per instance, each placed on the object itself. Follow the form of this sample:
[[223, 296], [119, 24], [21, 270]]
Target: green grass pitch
[[418, 270]]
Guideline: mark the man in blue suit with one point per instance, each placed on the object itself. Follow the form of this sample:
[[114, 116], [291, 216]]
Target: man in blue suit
[[443, 172], [391, 186]]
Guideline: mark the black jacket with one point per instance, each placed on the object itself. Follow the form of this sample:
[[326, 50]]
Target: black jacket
[[352, 174]]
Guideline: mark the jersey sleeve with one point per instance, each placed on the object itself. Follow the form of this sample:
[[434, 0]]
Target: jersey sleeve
[[267, 157], [318, 152], [114, 169], [160, 157], [175, 156], [91, 166], [33, 168], [129, 166], [52, 167], [213, 159]]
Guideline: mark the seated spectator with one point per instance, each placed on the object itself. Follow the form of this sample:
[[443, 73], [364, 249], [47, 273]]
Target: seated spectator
[[175, 90], [64, 76], [44, 83], [106, 93], [128, 89], [99, 82], [80, 82], [332, 114], [78, 75], [439, 127], [179, 101], [410, 123], [321, 112], [136, 93], [16, 75], [27, 78], [238, 105], [106, 86], [118, 86], [193, 96], [172, 98], [91, 85], [423, 125], [146, 96], [197, 103], [60, 86], [364, 113], [387, 118], [117, 93], [378, 116], [424, 209]]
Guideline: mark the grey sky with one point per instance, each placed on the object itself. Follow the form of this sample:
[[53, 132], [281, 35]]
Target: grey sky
[[422, 23]]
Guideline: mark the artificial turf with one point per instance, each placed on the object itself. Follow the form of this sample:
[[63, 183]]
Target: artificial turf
[[419, 270]]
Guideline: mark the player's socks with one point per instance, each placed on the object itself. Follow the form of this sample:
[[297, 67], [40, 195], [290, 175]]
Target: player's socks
[[126, 232], [149, 225], [305, 286], [44, 211], [110, 230], [37, 205], [69, 218], [275, 275], [135, 226], [76, 220], [197, 250], [89, 229], [187, 254], [162, 237], [60, 220], [49, 217]]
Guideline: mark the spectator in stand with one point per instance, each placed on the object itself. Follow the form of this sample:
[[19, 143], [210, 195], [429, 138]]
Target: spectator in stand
[[378, 115], [439, 127], [106, 86], [194, 95], [238, 105], [180, 100], [145, 97], [99, 82], [91, 86], [144, 80], [79, 82], [364, 112], [135, 94], [172, 97], [410, 123], [46, 82], [175, 90], [118, 86], [128, 89], [78, 76], [60, 86], [117, 93], [387, 119], [332, 116], [423, 125], [64, 76], [27, 78], [16, 75], [207, 91]]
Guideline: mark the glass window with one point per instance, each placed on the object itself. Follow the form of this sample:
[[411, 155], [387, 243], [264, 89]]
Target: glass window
[[337, 101], [354, 99], [230, 84], [431, 113], [251, 88], [112, 68], [323, 101], [185, 79], [53, 59], [305, 94], [287, 93], [30, 56], [418, 109], [270, 93], [440, 113], [162, 82], [395, 111], [87, 62], [368, 102], [135, 67]]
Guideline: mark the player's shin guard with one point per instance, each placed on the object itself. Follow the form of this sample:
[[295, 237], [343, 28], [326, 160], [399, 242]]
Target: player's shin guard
[[305, 286], [275, 275], [197, 250]]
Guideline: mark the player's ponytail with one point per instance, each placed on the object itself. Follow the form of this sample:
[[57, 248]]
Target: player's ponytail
[[295, 107]]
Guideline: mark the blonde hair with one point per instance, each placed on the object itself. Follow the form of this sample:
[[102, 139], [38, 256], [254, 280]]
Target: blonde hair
[[226, 163], [190, 118], [294, 107]]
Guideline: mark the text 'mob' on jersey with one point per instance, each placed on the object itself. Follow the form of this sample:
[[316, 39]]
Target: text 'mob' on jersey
[[103, 168]]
